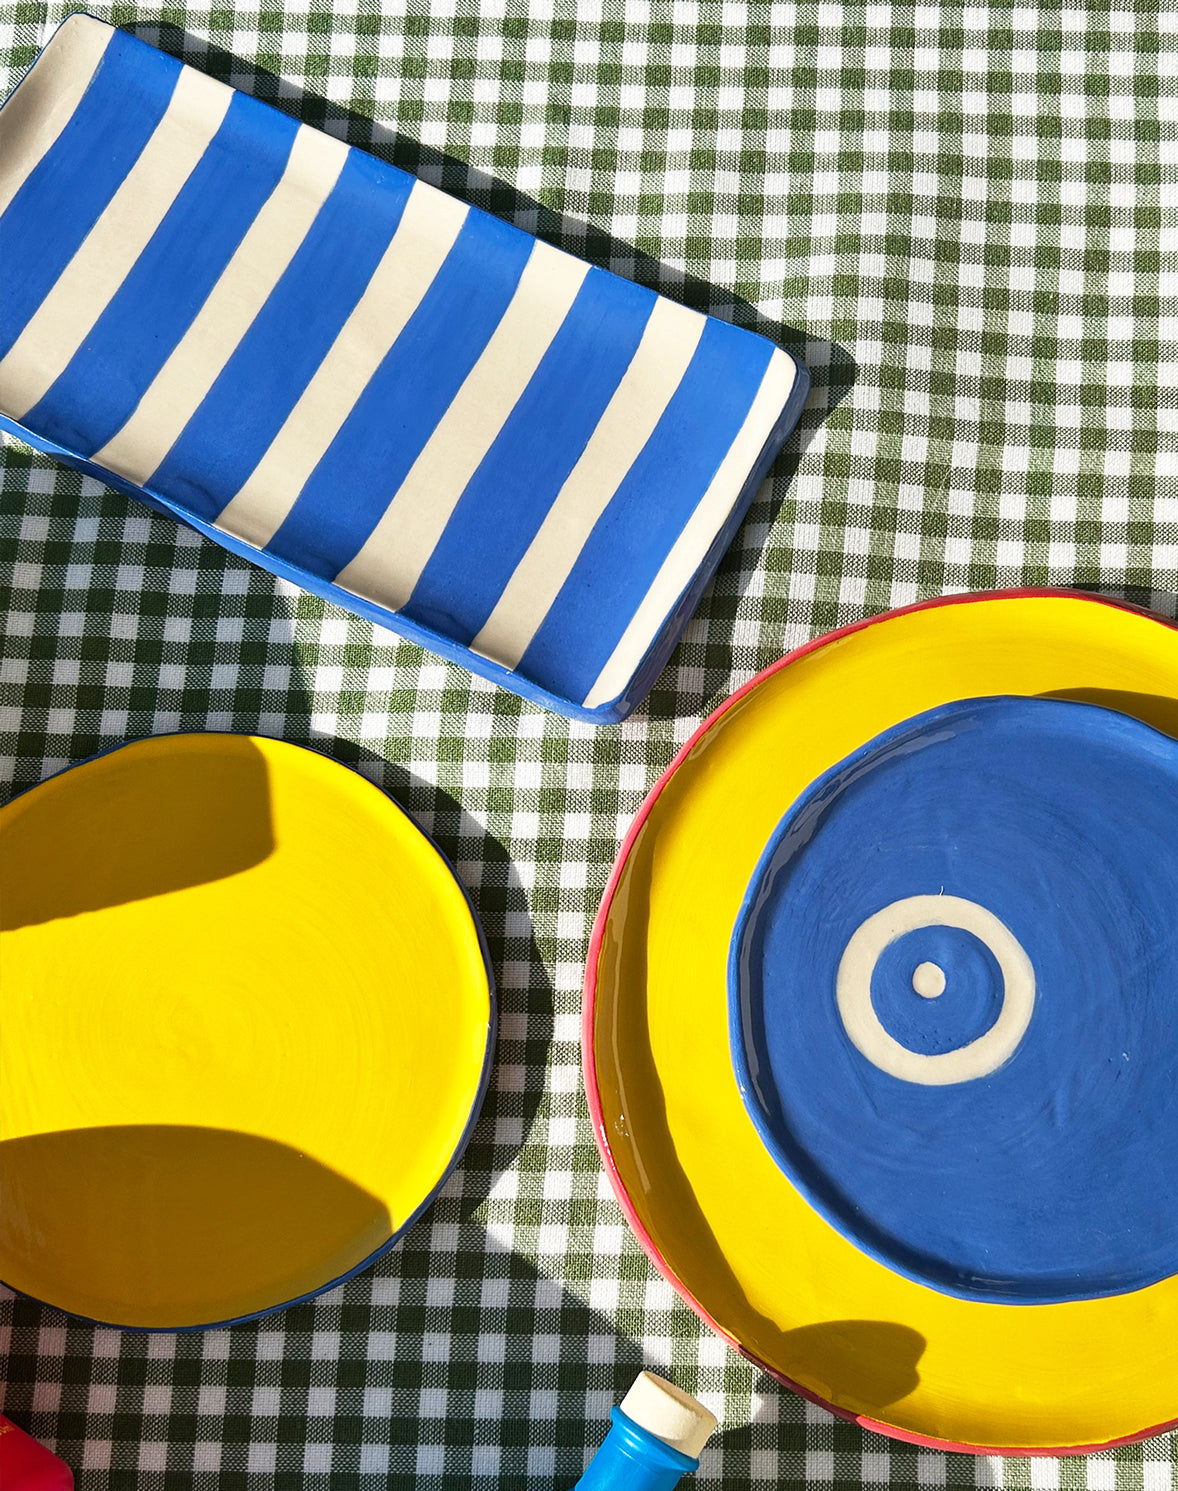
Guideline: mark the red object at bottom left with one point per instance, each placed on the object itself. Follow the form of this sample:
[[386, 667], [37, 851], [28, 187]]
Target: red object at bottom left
[[26, 1465]]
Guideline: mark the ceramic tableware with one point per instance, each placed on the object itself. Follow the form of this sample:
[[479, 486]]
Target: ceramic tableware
[[705, 1196], [404, 405], [953, 991], [248, 1020]]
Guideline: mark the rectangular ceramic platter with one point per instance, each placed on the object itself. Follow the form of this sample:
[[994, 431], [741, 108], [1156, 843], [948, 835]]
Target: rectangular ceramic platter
[[399, 402]]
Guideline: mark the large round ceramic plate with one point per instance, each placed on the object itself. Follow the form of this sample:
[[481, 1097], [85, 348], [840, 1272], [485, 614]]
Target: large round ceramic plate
[[953, 992], [705, 1196], [247, 1019]]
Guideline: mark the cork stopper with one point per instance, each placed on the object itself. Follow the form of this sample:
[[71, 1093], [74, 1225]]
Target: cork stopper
[[669, 1413]]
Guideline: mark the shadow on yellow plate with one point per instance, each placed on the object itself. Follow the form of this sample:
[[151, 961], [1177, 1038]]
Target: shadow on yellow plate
[[109, 863], [875, 1360], [1152, 709], [228, 1215]]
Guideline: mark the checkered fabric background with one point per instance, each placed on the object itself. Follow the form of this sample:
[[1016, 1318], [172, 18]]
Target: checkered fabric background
[[965, 218]]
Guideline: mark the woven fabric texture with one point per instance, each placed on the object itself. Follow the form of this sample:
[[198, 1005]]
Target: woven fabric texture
[[965, 220]]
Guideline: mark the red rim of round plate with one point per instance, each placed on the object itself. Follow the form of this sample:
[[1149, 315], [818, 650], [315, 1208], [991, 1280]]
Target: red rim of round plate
[[589, 1012]]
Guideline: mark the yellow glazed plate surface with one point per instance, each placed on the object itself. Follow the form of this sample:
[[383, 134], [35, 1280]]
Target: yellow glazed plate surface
[[247, 1024], [706, 1199]]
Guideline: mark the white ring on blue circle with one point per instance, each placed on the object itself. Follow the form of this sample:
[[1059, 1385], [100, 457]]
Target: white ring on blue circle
[[976, 1059]]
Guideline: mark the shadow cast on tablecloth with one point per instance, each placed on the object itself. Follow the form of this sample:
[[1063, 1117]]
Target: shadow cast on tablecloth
[[523, 988], [832, 364], [1159, 602]]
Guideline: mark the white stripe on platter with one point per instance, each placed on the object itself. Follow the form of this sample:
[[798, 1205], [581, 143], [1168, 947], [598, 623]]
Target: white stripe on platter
[[258, 263], [691, 547], [429, 225], [398, 549], [639, 402], [46, 101], [91, 279]]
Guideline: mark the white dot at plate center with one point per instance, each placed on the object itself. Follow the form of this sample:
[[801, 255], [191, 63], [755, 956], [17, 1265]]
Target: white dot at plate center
[[928, 980]]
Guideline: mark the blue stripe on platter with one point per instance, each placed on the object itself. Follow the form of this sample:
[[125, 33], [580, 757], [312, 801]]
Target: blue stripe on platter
[[418, 411], [953, 997], [155, 305], [73, 181], [216, 452]]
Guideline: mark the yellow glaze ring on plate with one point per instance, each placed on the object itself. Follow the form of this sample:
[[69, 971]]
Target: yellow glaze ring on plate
[[703, 1194], [247, 1021]]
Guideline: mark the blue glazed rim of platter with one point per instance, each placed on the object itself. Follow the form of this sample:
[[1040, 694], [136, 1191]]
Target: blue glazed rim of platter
[[473, 1116], [761, 1088]]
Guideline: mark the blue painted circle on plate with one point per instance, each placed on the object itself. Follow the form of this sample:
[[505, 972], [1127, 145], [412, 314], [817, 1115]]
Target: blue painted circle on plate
[[1054, 1175]]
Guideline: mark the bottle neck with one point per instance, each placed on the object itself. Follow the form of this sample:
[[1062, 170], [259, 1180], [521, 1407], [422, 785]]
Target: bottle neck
[[633, 1459]]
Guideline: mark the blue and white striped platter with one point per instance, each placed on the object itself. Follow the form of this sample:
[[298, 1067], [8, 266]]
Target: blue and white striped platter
[[401, 403]]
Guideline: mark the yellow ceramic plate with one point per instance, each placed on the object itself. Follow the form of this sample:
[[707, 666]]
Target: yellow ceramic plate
[[247, 1020], [707, 1201]]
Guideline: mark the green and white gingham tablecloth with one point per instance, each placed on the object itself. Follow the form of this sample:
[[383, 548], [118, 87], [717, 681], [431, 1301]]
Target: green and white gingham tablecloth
[[965, 218]]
